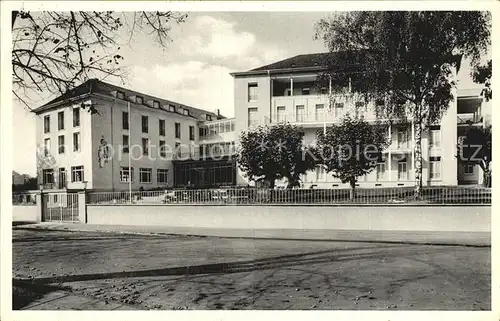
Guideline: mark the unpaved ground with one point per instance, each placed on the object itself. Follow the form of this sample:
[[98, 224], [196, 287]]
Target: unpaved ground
[[161, 272]]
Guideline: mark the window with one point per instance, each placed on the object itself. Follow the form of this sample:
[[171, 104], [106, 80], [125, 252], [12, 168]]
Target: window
[[280, 115], [402, 170], [191, 132], [306, 91], [163, 152], [178, 149], [62, 177], [435, 167], [252, 117], [145, 175], [299, 113], [120, 95], [156, 104], [76, 117], [48, 176], [77, 174], [161, 127], [60, 120], [185, 112], [145, 146], [162, 176], [177, 130], [339, 108], [144, 122], [126, 174], [320, 173], [252, 92], [403, 138], [209, 117], [435, 138], [469, 169], [360, 108], [320, 112], [76, 142], [125, 124], [125, 144], [46, 124], [380, 170], [60, 141], [139, 100], [46, 146]]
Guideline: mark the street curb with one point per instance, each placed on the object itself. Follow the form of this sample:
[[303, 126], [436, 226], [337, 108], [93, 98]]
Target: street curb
[[194, 235]]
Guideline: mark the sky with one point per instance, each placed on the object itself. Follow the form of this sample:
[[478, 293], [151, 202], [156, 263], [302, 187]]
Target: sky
[[194, 69]]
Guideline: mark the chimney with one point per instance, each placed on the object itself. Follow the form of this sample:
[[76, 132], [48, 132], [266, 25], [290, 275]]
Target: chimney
[[218, 113]]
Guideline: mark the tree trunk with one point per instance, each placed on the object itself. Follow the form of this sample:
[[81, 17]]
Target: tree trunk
[[418, 159], [352, 193], [486, 178]]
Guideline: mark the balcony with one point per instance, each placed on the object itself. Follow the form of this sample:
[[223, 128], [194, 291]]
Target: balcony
[[207, 152]]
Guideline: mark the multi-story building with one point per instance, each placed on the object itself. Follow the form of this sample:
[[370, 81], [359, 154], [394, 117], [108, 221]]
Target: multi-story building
[[132, 140], [287, 91], [135, 140]]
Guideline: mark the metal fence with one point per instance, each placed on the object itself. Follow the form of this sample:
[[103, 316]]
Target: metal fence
[[396, 195], [24, 199]]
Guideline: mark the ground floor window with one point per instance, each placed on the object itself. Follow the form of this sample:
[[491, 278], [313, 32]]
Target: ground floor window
[[380, 170], [126, 174], [402, 170], [320, 173], [48, 176], [435, 168], [145, 175], [205, 174], [162, 177], [469, 169], [77, 174]]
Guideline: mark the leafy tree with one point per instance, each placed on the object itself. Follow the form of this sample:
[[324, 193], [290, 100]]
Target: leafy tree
[[482, 75], [55, 51], [351, 149], [404, 60], [268, 153], [476, 148]]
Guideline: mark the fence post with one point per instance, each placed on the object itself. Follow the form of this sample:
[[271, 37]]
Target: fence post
[[82, 207], [39, 207]]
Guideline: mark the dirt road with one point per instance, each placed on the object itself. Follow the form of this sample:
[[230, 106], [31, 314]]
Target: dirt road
[[161, 272]]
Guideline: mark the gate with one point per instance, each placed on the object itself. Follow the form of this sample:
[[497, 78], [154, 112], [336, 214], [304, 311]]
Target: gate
[[60, 207]]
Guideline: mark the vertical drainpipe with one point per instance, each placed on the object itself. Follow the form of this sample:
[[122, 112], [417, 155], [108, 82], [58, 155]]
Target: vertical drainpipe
[[112, 148], [270, 96]]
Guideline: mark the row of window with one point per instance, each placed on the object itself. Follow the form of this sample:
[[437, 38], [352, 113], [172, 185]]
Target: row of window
[[60, 120], [76, 175], [145, 175], [402, 173], [156, 104], [218, 128], [62, 144], [161, 126]]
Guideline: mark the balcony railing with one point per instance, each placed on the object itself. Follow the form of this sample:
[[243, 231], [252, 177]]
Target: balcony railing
[[469, 119]]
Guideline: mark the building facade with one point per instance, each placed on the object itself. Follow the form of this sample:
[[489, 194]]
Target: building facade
[[286, 91], [130, 140]]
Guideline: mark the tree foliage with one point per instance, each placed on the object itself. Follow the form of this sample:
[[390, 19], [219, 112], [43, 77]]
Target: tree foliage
[[482, 75], [476, 148], [268, 153], [55, 51], [406, 60], [352, 148]]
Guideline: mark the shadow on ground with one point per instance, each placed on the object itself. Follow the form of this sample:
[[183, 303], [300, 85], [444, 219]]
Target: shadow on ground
[[25, 292], [327, 256]]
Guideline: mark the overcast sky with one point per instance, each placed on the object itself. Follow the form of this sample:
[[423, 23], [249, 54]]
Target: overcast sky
[[195, 67]]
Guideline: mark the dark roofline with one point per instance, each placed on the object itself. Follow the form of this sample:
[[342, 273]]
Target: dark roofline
[[87, 88]]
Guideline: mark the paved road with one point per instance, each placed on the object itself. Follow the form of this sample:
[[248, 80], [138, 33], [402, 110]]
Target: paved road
[[168, 272]]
